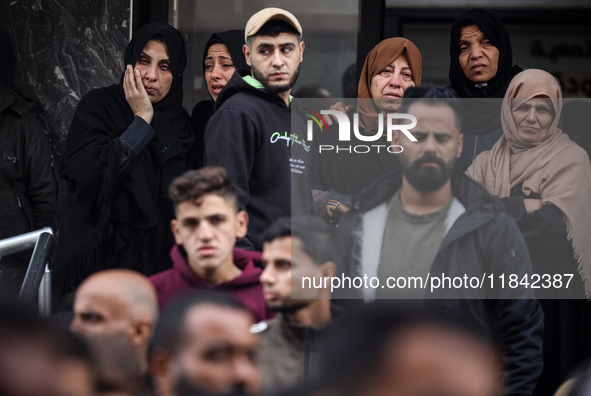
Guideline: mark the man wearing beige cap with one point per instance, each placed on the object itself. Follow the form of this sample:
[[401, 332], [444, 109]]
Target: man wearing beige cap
[[250, 133]]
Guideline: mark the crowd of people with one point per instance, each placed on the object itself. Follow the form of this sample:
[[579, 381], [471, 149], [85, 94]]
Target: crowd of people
[[185, 241]]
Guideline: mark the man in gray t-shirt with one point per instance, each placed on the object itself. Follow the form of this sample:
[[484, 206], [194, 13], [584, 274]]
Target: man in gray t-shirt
[[431, 222], [409, 245]]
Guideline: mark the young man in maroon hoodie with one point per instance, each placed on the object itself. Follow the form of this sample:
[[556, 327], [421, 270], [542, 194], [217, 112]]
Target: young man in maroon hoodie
[[206, 226]]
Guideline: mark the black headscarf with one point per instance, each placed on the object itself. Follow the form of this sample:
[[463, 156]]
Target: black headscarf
[[110, 205], [233, 40], [491, 25], [171, 106], [481, 116], [202, 112]]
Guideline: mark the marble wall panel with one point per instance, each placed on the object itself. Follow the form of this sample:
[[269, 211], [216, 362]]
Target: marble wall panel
[[65, 48]]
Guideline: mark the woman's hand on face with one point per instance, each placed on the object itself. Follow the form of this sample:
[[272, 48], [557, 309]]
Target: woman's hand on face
[[136, 94], [532, 204]]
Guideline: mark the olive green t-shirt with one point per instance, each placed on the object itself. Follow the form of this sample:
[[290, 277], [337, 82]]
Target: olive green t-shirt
[[409, 246]]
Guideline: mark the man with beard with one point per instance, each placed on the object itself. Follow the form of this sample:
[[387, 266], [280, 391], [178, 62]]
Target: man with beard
[[250, 133], [203, 346], [430, 222], [294, 252]]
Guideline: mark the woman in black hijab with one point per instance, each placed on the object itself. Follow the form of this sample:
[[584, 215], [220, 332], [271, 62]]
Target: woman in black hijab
[[221, 57], [483, 74], [125, 145]]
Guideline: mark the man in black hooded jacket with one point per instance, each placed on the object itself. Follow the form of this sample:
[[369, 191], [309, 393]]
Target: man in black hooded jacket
[[250, 133], [28, 182]]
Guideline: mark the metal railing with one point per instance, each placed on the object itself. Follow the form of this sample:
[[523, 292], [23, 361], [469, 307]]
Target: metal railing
[[37, 280]]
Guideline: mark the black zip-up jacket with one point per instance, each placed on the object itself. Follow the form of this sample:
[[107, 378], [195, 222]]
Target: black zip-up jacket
[[250, 135], [28, 182], [484, 239]]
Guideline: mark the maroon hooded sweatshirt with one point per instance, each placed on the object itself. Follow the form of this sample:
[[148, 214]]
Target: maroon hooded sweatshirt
[[246, 288]]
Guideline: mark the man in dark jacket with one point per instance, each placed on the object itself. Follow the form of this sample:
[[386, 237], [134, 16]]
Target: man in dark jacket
[[298, 255], [250, 133], [206, 226], [427, 223], [28, 185]]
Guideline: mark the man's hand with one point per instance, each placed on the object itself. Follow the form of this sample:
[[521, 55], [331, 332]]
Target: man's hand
[[136, 94], [338, 106], [532, 204]]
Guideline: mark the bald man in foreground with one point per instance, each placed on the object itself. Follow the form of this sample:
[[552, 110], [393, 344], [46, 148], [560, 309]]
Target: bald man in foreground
[[117, 302]]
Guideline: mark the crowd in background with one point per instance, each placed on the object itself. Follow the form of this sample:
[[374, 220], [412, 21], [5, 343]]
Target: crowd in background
[[183, 238]]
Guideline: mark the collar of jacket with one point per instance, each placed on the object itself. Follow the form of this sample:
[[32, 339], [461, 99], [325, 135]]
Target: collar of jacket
[[242, 259], [371, 209], [470, 193], [257, 84], [299, 336], [238, 84], [480, 208]]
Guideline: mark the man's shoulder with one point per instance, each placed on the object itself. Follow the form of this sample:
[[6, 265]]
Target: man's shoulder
[[265, 327], [379, 192], [15, 105], [23, 120], [490, 226], [503, 226], [244, 102], [478, 210]]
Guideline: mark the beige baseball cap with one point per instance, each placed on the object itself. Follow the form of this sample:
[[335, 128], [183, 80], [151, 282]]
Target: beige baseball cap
[[256, 22]]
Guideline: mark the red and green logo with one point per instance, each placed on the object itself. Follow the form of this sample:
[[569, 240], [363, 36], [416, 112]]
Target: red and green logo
[[317, 118]]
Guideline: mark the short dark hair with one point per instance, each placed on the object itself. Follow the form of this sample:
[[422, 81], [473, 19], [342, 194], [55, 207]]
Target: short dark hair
[[274, 28], [317, 236], [192, 185], [430, 91], [279, 229], [170, 330]]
